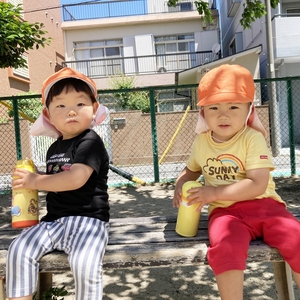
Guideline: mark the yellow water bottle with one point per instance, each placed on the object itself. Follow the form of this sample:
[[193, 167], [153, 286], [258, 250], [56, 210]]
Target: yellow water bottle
[[24, 209], [188, 218]]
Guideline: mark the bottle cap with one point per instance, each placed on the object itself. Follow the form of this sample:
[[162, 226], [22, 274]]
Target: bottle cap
[[25, 164]]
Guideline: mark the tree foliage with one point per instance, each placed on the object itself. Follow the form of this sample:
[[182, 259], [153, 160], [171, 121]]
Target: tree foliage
[[17, 36], [202, 8], [252, 10], [52, 294]]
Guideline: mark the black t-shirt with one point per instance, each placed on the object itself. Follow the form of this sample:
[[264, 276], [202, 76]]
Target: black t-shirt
[[90, 200]]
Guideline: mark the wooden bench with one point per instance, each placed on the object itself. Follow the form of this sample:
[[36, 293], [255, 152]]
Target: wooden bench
[[153, 242]]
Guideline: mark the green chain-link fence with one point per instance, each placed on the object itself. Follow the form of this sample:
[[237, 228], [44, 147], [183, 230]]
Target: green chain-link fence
[[149, 131]]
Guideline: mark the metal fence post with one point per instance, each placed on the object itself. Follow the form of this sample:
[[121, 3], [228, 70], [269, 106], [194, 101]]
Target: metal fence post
[[154, 135], [291, 127], [17, 128]]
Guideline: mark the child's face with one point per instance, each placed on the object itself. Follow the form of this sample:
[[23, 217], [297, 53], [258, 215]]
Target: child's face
[[72, 112], [226, 119]]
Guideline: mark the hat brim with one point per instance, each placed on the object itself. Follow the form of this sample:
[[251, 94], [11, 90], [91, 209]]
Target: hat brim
[[63, 74], [224, 97]]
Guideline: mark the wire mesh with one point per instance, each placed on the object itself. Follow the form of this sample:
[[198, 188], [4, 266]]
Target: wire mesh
[[149, 131]]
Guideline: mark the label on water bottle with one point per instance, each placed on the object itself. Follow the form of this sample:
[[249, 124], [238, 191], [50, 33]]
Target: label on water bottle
[[25, 210]]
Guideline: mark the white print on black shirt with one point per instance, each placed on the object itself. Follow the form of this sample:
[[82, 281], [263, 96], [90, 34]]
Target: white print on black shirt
[[58, 158], [55, 161]]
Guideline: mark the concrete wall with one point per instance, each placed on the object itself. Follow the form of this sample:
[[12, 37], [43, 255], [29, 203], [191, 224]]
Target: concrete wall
[[132, 142]]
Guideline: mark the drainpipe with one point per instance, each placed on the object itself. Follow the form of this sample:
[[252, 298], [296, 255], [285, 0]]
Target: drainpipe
[[274, 118]]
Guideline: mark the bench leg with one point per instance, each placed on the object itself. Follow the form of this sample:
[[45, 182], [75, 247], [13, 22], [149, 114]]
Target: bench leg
[[2, 290], [44, 283], [283, 281]]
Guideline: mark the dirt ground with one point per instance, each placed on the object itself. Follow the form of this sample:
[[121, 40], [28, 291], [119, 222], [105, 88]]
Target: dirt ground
[[172, 283]]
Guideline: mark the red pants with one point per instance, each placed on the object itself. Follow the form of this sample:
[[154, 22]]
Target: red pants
[[231, 229]]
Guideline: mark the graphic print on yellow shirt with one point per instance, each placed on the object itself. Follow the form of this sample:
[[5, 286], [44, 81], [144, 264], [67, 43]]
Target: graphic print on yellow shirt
[[226, 163], [224, 167]]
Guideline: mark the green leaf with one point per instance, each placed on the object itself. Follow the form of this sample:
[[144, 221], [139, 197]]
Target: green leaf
[[252, 10], [18, 36]]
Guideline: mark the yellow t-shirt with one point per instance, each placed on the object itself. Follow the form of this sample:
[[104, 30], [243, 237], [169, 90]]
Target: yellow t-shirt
[[226, 163]]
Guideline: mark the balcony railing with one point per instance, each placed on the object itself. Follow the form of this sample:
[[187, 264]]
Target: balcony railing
[[110, 9], [138, 65]]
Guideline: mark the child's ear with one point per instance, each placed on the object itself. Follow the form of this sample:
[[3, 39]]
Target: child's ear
[[95, 107], [202, 111], [47, 114]]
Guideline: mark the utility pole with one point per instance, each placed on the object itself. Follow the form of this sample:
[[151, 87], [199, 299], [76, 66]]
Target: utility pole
[[275, 134]]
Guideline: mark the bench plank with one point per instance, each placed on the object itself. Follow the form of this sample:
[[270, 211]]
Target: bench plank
[[140, 242]]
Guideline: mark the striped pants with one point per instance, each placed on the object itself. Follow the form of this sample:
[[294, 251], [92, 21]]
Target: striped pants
[[83, 239]]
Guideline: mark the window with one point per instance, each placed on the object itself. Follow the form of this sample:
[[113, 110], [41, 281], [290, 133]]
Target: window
[[20, 73], [232, 48], [101, 58], [236, 44], [232, 7], [173, 52], [181, 6], [15, 3], [23, 72], [185, 6], [293, 10], [169, 101]]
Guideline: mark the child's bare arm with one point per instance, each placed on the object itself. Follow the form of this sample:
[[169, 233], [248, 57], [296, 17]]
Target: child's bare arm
[[73, 179], [255, 184], [247, 189]]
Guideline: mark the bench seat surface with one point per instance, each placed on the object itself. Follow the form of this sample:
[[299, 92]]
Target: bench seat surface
[[145, 242]]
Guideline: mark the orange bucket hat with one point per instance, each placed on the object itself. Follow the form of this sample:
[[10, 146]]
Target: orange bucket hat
[[228, 83], [62, 74], [43, 125]]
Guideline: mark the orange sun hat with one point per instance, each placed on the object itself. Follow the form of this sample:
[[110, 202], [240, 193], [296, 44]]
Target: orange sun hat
[[62, 74], [43, 125], [228, 83]]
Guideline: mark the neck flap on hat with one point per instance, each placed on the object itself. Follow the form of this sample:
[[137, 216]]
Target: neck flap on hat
[[43, 126]]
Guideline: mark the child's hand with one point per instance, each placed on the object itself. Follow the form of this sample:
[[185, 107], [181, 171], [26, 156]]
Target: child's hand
[[23, 179], [186, 175], [202, 195], [177, 195]]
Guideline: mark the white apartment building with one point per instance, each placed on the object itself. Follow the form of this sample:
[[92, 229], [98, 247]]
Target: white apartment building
[[285, 35], [141, 38]]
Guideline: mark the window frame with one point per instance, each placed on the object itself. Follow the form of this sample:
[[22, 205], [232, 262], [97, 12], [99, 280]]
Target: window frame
[[174, 60], [20, 74], [108, 65]]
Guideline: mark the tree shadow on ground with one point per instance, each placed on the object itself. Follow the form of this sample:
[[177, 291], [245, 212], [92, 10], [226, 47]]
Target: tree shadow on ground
[[143, 201], [184, 283]]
